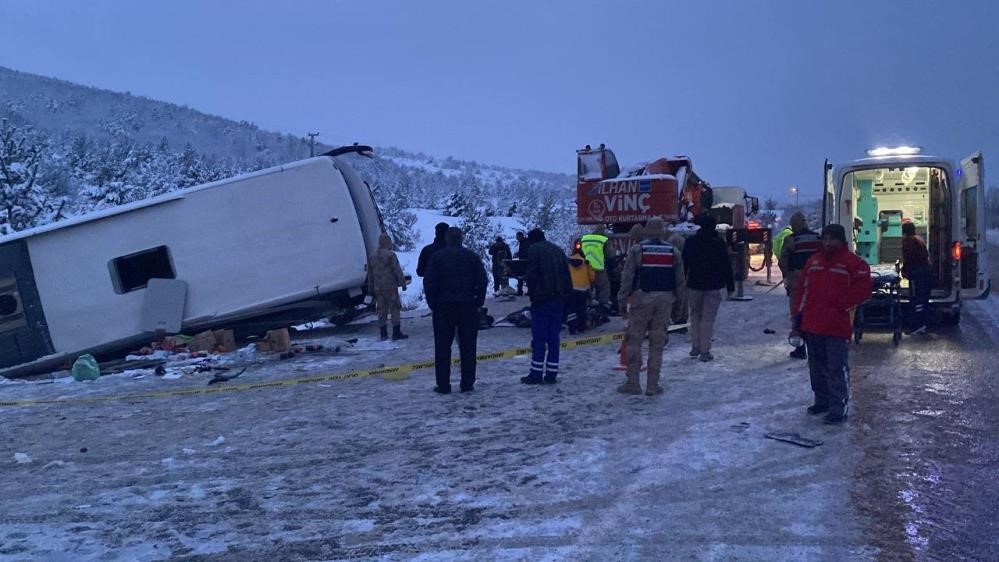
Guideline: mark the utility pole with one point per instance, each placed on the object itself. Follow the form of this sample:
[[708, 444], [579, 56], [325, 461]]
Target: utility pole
[[312, 144]]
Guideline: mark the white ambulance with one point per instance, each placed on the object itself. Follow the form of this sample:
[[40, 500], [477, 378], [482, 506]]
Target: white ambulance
[[872, 197]]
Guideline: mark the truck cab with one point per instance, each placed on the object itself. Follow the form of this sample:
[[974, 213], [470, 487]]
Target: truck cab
[[872, 197]]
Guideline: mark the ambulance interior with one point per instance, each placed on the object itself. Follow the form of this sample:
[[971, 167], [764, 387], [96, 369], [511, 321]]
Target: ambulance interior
[[885, 198]]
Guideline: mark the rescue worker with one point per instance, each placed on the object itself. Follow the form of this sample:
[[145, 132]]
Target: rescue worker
[[916, 268], [550, 287], [778, 242], [385, 277], [499, 251], [652, 276], [596, 249], [582, 279], [455, 286], [705, 258], [438, 244], [795, 251], [833, 282]]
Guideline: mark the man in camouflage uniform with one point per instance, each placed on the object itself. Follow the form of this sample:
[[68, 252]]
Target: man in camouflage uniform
[[384, 279], [652, 277]]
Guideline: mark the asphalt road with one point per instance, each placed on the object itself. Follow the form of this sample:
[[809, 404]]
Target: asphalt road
[[926, 419]]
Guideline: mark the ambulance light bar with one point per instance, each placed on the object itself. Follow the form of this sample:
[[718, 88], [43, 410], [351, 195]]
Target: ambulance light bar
[[894, 151]]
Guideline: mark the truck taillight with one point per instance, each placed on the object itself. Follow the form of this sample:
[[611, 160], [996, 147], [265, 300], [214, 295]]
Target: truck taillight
[[955, 251]]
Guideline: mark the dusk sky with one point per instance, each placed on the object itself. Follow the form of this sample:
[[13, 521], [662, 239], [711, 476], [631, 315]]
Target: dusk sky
[[756, 93]]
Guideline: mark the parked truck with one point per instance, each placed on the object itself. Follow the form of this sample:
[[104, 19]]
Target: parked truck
[[280, 246], [871, 198], [606, 194]]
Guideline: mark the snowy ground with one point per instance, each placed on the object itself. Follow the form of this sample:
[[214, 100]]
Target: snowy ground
[[383, 470]]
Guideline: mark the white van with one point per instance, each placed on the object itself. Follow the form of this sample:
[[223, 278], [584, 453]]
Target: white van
[[872, 197], [276, 247]]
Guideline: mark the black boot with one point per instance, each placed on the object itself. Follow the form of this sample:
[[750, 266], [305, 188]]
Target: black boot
[[799, 353], [397, 333], [384, 332]]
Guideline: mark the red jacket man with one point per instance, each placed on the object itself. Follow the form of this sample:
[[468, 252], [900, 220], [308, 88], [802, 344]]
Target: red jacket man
[[833, 282]]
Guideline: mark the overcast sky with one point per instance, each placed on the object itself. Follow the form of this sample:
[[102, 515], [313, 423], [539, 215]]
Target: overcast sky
[[756, 93]]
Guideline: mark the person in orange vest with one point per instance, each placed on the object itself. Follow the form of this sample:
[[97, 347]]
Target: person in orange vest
[[582, 279]]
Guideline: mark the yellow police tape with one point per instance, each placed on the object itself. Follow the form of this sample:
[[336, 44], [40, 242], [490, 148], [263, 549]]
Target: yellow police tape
[[399, 372]]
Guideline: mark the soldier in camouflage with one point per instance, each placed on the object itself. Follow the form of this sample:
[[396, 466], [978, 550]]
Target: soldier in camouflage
[[385, 277], [652, 277]]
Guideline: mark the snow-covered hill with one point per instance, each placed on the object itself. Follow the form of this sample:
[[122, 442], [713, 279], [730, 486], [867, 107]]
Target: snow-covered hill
[[88, 148]]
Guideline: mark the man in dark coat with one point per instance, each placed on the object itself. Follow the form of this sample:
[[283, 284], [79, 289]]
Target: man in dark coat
[[500, 252], [429, 250], [550, 287], [705, 258], [455, 286]]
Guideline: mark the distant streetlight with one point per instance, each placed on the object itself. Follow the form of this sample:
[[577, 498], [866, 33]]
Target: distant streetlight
[[312, 144], [794, 191]]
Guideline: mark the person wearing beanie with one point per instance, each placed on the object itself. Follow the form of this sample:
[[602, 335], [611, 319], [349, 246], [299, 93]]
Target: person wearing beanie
[[550, 286], [385, 277], [652, 276], [833, 282], [709, 270], [795, 251], [428, 251], [455, 286]]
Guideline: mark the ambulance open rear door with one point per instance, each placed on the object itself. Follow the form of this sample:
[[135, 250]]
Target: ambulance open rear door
[[971, 249]]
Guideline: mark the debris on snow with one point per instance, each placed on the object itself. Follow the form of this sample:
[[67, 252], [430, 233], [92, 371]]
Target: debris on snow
[[218, 441], [22, 458], [55, 464], [794, 439]]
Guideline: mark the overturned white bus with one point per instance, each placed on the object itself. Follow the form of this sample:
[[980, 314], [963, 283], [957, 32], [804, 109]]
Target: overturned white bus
[[280, 246]]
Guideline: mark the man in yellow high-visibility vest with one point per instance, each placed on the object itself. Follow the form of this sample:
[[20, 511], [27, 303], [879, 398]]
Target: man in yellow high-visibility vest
[[596, 249]]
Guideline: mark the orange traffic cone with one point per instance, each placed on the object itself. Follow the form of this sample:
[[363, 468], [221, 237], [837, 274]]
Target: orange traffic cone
[[622, 362]]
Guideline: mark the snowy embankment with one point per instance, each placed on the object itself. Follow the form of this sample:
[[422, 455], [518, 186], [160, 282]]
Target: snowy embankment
[[426, 219]]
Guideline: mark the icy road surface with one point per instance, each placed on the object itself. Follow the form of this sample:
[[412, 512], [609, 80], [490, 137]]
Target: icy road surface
[[380, 470]]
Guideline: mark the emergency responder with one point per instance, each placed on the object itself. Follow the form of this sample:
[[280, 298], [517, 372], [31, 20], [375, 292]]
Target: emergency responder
[[778, 243], [597, 249], [652, 276], [916, 268], [833, 282], [550, 286], [795, 251], [385, 277]]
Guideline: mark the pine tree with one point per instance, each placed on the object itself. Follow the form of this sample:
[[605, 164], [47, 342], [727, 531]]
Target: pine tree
[[25, 201]]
